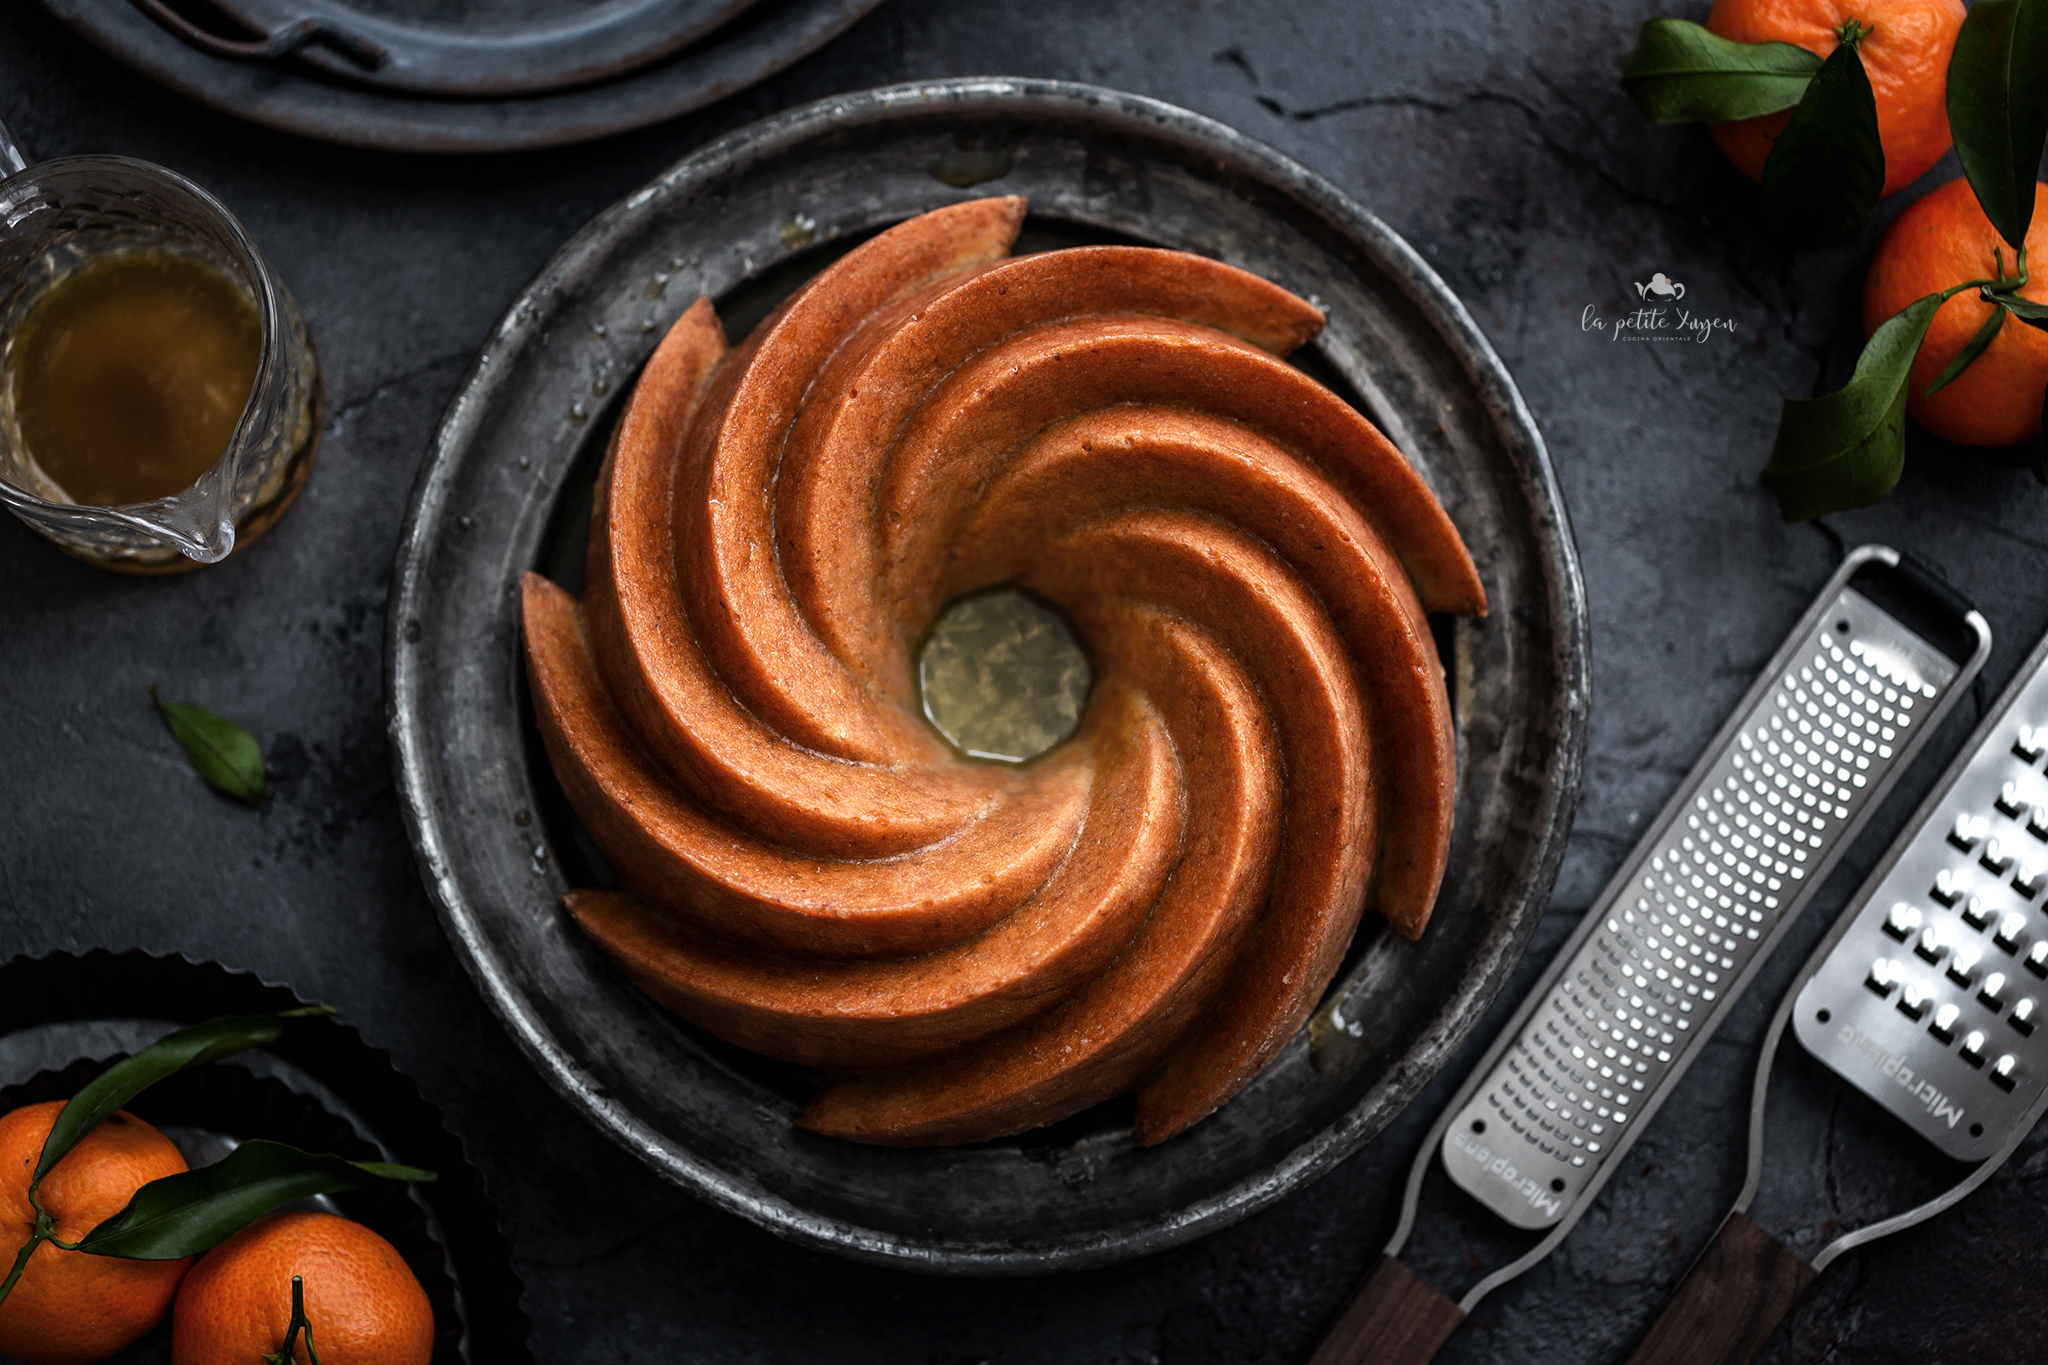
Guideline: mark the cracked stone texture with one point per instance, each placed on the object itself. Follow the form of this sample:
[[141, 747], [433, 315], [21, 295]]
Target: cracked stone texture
[[1494, 136]]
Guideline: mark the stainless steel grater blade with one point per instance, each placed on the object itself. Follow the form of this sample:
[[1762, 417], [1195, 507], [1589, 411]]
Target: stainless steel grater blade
[[1679, 931], [1674, 938], [1931, 1000], [1925, 995]]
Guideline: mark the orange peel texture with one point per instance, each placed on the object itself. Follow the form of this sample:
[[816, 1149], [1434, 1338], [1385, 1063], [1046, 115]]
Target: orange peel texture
[[967, 950]]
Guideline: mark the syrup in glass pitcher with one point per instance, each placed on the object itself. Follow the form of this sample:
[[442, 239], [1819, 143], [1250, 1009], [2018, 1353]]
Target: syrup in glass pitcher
[[160, 397]]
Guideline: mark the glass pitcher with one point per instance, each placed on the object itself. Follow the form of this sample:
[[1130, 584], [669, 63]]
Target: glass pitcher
[[58, 216]]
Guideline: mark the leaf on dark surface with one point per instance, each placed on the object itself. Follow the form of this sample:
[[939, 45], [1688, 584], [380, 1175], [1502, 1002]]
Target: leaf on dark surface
[[1968, 355], [1681, 73], [186, 1214], [1847, 449], [1998, 107], [186, 1047], [2026, 310], [1826, 171], [225, 755]]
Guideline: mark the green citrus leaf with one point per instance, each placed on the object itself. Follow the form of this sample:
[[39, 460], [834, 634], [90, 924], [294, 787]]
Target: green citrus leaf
[[1998, 107], [1968, 355], [2026, 310], [122, 1082], [1847, 449], [1826, 171], [185, 1214], [1680, 73], [225, 755]]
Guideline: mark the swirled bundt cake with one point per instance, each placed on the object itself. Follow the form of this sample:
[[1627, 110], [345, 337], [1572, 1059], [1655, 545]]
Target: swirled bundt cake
[[968, 950]]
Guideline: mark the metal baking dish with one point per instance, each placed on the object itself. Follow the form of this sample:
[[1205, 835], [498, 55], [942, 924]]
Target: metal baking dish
[[747, 218]]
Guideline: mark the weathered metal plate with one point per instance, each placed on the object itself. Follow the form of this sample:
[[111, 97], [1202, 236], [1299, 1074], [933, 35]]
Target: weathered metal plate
[[547, 84], [460, 49], [745, 219]]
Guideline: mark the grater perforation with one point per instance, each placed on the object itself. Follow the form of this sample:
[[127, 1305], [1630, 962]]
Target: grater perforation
[[1737, 853], [1932, 996], [1927, 995], [1655, 964]]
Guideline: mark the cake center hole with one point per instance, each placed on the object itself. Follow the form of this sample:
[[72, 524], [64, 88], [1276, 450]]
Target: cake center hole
[[1002, 676]]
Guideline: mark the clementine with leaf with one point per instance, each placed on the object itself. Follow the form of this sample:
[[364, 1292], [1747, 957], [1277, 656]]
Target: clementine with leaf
[[1941, 241], [70, 1307], [1905, 47]]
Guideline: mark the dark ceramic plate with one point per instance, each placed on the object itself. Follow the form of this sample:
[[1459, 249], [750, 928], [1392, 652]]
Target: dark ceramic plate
[[505, 489], [530, 73], [65, 1018]]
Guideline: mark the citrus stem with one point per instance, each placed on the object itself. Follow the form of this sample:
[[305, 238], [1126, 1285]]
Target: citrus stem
[[2004, 284], [299, 1323], [43, 1229], [1853, 31], [2019, 276], [28, 1249]]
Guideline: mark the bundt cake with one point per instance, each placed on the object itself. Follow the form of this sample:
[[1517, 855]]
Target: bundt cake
[[968, 950]]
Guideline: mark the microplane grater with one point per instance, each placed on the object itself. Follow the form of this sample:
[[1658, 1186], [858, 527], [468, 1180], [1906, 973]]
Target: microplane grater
[[1926, 996], [1676, 935], [1656, 963]]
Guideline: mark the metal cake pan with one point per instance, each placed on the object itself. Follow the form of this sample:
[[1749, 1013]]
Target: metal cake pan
[[745, 219]]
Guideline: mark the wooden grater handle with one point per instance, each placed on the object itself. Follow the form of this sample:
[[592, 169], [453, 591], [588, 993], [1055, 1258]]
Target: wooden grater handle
[[1395, 1318], [1730, 1302]]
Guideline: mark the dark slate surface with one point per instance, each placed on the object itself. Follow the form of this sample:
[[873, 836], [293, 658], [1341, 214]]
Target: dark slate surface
[[1492, 135]]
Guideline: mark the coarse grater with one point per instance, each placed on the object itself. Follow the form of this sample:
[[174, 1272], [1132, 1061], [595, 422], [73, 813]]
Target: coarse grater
[[1856, 689], [1927, 996]]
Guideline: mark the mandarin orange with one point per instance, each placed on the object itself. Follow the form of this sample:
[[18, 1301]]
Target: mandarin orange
[[1905, 50], [70, 1307], [1942, 240], [364, 1305]]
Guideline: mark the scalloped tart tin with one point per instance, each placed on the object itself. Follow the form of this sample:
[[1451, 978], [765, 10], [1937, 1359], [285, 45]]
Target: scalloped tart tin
[[320, 1087]]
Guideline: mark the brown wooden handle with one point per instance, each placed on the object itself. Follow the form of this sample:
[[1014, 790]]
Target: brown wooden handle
[[1395, 1318], [1730, 1302]]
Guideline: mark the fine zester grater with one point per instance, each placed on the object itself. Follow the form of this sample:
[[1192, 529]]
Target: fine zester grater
[[1856, 689], [1928, 996]]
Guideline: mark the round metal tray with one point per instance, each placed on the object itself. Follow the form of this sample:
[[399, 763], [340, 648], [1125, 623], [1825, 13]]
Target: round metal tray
[[461, 49], [744, 220], [297, 95]]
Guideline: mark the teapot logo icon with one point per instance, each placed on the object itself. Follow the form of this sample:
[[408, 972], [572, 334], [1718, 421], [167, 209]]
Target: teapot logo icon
[[1661, 287]]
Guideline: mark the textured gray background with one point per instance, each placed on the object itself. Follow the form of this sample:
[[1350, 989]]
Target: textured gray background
[[1495, 137]]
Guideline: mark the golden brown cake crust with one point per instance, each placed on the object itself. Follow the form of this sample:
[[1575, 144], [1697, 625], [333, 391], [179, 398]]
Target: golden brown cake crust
[[971, 950], [730, 885], [1121, 1027]]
